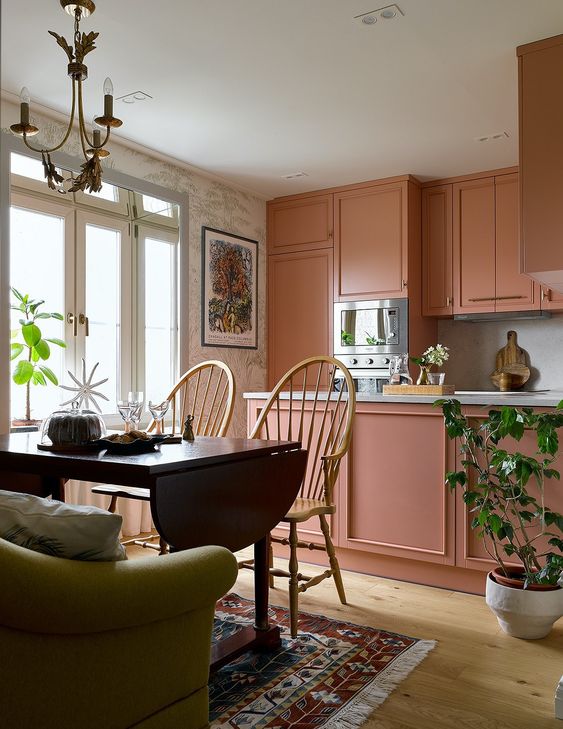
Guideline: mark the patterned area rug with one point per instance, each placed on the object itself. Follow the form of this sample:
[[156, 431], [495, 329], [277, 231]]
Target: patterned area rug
[[332, 676]]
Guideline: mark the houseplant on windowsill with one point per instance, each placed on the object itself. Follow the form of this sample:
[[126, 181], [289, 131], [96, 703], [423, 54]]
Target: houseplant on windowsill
[[513, 522], [437, 355], [33, 350]]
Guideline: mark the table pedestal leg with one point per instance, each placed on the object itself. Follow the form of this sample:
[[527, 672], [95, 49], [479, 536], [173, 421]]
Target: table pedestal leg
[[258, 637]]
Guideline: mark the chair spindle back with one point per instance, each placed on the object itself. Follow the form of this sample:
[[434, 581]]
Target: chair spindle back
[[302, 408]]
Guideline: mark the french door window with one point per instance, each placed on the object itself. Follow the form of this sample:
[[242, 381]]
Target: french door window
[[114, 281]]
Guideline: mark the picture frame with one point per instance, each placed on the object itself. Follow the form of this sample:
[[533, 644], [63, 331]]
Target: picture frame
[[229, 290]]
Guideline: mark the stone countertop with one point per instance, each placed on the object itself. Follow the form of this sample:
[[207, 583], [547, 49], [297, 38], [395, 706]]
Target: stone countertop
[[539, 399]]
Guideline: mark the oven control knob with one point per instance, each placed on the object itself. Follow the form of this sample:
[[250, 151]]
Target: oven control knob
[[353, 361], [386, 360], [369, 360]]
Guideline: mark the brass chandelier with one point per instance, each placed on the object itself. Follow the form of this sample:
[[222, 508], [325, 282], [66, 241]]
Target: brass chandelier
[[93, 148]]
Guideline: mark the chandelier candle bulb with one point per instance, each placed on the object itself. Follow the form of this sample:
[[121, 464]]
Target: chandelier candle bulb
[[108, 98], [25, 100]]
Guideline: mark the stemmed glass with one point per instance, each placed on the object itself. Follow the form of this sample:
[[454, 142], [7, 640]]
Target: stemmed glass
[[125, 410], [136, 401], [158, 411]]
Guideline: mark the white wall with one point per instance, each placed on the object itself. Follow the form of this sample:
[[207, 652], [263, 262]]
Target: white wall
[[211, 203], [474, 347]]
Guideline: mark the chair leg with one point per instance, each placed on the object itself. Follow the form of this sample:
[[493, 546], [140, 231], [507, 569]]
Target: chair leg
[[112, 504], [271, 562], [163, 546], [293, 581], [334, 566]]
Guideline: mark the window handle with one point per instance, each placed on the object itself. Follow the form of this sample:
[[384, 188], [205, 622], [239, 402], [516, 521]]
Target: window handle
[[72, 319], [83, 319]]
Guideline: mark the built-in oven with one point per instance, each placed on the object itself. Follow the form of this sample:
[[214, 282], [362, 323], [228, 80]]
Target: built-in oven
[[366, 335]]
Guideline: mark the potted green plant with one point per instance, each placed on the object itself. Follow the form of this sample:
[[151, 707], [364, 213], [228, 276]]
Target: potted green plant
[[437, 355], [30, 348], [504, 490]]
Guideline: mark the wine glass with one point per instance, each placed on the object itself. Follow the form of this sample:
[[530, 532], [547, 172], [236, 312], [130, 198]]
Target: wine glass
[[125, 410], [136, 402], [158, 410]]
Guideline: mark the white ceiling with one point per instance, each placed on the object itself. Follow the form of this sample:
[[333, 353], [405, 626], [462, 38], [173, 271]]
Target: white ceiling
[[254, 89]]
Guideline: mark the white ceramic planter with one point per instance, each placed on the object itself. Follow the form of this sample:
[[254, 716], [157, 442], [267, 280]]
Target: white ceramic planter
[[526, 614]]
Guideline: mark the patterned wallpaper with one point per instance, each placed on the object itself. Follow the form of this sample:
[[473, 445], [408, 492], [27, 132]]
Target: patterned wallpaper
[[210, 203]]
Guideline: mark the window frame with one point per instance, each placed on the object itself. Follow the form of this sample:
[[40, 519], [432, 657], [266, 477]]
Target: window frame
[[10, 144]]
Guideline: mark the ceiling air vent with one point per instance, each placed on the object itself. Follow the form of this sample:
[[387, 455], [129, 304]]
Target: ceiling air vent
[[493, 137], [294, 175]]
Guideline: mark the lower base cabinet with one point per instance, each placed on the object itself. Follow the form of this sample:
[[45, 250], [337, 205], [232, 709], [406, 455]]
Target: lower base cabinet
[[395, 516]]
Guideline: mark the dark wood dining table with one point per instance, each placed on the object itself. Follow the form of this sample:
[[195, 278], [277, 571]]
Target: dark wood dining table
[[225, 491]]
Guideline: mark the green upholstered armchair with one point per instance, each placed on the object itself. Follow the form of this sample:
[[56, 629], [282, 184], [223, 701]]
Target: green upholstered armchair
[[112, 645]]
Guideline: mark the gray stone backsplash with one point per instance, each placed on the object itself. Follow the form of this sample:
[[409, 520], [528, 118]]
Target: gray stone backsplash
[[473, 348]]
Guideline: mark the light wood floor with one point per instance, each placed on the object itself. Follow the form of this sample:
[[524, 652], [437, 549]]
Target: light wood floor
[[476, 678]]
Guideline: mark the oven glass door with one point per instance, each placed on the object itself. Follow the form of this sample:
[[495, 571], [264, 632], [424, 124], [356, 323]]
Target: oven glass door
[[365, 327]]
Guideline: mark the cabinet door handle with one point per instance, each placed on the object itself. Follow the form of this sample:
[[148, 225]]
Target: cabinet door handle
[[449, 301], [496, 298], [72, 319], [83, 319], [546, 294], [404, 284]]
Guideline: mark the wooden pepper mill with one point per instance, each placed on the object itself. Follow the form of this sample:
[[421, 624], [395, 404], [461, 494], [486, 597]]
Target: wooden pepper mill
[[188, 433]]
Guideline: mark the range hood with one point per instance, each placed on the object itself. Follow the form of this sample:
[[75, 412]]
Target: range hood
[[503, 315]]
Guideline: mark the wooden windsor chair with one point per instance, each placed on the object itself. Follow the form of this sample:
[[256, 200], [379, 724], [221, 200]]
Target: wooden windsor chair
[[207, 393], [303, 406]]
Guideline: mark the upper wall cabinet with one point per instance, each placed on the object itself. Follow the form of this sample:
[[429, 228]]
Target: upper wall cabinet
[[437, 251], [540, 67], [371, 242], [300, 224], [514, 291], [485, 244]]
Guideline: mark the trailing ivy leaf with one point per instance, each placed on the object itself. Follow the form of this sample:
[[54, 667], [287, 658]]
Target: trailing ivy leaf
[[31, 334], [23, 372], [16, 350], [49, 374]]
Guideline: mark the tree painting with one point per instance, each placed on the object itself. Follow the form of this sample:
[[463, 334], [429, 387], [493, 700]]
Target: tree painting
[[230, 287]]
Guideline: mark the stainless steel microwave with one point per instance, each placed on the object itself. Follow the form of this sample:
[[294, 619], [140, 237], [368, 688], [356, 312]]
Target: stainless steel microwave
[[365, 332]]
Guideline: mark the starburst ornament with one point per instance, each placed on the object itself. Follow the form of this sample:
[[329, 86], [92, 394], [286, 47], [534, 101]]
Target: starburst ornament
[[85, 392]]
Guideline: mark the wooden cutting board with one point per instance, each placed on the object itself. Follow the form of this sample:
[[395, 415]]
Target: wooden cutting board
[[511, 360]]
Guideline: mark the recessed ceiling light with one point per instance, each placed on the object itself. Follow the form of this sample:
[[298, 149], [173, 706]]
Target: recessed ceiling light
[[294, 175], [134, 97], [387, 12]]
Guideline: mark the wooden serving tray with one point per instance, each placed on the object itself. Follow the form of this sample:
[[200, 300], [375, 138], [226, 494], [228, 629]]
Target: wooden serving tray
[[418, 389]]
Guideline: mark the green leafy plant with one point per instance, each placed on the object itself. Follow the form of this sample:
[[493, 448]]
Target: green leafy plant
[[30, 348], [511, 520], [347, 338]]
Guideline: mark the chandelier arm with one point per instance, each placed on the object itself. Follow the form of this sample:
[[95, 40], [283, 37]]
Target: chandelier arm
[[108, 132], [86, 143], [68, 131]]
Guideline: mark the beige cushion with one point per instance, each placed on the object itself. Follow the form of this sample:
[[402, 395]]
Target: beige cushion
[[60, 530]]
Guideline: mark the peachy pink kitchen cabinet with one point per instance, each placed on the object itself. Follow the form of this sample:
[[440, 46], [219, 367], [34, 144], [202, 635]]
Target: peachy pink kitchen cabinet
[[540, 75]]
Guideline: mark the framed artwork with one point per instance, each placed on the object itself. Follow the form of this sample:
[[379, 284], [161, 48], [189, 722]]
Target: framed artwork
[[229, 290]]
